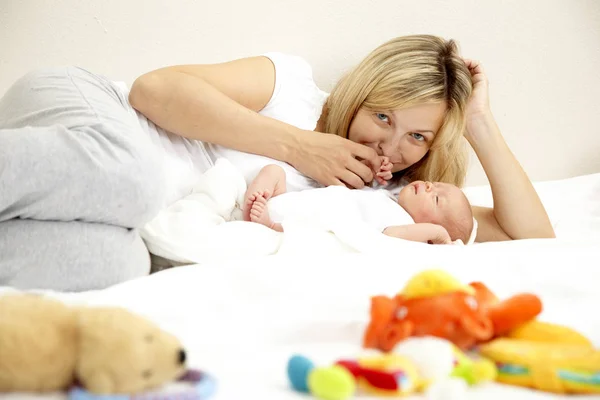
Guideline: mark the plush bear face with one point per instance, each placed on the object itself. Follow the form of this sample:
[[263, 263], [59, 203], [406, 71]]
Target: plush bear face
[[121, 352]]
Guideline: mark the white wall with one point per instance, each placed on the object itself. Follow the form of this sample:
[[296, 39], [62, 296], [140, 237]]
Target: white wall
[[542, 56]]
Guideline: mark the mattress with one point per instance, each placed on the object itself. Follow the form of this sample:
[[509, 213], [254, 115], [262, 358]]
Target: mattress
[[241, 319]]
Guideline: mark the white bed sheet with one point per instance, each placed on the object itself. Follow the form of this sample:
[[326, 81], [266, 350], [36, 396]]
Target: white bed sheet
[[241, 319]]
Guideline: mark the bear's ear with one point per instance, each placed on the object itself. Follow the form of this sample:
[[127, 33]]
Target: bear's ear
[[97, 382]]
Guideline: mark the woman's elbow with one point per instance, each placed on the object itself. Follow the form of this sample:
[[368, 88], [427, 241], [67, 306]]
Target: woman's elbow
[[144, 91], [543, 229], [540, 232], [548, 233]]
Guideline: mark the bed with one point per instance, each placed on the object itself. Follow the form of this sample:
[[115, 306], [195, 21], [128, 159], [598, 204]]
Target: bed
[[241, 318]]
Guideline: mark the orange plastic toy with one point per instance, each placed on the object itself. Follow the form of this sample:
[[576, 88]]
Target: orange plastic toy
[[457, 316]]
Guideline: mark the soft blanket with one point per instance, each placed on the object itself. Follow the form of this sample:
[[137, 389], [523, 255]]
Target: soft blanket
[[207, 224]]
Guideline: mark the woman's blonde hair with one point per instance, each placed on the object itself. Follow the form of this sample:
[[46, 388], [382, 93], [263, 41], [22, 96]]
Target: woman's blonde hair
[[404, 72]]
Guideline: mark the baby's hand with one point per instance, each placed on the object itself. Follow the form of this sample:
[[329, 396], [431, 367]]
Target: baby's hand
[[385, 172], [439, 235]]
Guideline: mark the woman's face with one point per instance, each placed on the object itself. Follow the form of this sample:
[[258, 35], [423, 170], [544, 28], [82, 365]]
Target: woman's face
[[404, 135]]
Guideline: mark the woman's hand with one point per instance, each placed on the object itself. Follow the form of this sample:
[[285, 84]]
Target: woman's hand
[[332, 160], [479, 102], [478, 106]]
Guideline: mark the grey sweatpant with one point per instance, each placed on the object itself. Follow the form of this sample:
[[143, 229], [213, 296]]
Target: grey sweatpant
[[78, 178]]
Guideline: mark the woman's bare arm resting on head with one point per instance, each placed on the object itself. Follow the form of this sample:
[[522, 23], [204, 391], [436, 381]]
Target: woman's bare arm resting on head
[[518, 212], [219, 103]]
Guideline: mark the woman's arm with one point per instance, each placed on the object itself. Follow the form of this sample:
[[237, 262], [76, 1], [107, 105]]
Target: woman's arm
[[219, 104], [200, 102], [518, 212]]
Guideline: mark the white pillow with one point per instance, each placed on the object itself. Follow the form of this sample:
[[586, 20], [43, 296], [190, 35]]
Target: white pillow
[[573, 204]]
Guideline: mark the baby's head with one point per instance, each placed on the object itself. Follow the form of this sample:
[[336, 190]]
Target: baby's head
[[439, 203]]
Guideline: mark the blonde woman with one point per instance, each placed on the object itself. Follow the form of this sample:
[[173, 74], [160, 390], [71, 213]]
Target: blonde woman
[[84, 162]]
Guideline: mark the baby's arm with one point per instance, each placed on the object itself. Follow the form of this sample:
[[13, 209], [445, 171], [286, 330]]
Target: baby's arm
[[426, 233], [269, 182]]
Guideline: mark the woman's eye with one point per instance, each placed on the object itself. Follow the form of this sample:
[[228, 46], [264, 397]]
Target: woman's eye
[[383, 117], [418, 137]]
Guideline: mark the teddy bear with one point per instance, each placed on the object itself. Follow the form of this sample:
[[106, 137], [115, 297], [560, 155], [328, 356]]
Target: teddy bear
[[48, 346]]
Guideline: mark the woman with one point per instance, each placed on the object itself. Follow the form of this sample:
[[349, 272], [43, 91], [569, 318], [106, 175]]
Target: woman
[[84, 163]]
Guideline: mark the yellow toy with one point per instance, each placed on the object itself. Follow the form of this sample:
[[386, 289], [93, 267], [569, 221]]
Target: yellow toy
[[45, 346], [548, 366], [539, 331], [434, 282]]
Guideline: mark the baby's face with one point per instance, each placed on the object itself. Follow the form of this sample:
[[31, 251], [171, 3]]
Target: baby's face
[[432, 202]]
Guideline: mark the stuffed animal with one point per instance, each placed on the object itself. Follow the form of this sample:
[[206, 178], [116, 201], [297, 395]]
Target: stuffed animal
[[463, 318], [47, 346]]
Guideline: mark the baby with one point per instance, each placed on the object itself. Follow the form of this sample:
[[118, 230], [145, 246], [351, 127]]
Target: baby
[[440, 211]]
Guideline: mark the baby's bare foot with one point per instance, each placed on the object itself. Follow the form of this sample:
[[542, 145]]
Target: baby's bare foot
[[251, 198], [259, 212]]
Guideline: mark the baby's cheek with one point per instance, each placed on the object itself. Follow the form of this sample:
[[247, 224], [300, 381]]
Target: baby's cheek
[[426, 214]]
